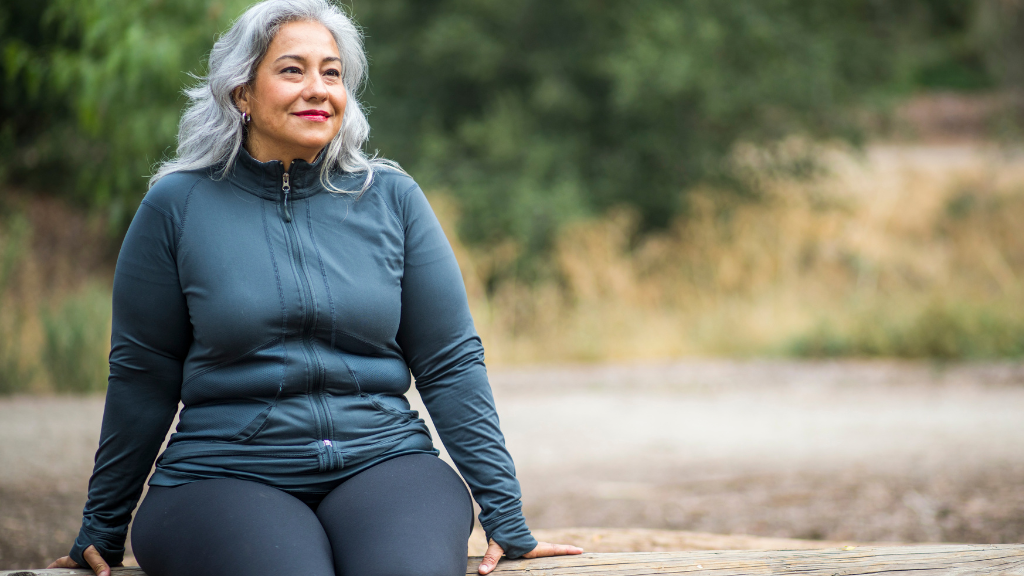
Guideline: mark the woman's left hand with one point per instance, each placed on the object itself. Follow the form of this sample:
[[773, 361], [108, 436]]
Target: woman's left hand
[[494, 552]]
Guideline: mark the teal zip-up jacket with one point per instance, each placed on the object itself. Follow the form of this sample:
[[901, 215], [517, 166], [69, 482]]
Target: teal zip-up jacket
[[286, 319]]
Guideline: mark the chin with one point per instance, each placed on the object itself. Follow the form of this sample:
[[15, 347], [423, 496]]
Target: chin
[[316, 142], [313, 145]]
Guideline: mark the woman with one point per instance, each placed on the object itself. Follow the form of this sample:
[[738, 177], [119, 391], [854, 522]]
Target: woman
[[281, 286]]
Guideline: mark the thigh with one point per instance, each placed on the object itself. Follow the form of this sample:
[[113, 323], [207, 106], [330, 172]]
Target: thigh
[[226, 528], [408, 516]]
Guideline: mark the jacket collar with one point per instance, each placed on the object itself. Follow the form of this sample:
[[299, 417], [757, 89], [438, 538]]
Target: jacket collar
[[265, 179]]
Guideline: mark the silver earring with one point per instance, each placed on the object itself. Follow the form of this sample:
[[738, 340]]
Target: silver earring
[[246, 118]]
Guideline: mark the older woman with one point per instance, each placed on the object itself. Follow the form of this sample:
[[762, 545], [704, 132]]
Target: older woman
[[282, 286]]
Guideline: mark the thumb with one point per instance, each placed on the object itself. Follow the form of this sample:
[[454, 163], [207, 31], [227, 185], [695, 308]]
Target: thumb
[[96, 562], [491, 557]]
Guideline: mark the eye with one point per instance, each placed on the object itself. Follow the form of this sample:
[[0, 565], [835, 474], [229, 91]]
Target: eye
[[333, 72], [291, 70]]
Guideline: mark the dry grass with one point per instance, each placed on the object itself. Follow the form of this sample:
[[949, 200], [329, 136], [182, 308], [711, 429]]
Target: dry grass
[[903, 250]]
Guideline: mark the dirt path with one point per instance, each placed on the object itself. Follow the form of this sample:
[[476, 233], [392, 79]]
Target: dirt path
[[837, 451]]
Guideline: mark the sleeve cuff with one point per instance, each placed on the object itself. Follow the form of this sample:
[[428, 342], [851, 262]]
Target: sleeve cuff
[[513, 535], [110, 548]]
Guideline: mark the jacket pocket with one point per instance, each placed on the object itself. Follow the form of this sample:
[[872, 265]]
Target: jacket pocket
[[392, 404], [256, 426]]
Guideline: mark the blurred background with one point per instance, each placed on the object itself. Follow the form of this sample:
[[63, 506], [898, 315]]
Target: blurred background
[[790, 188]]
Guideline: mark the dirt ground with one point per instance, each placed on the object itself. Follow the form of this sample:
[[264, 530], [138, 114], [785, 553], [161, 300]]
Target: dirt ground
[[834, 451]]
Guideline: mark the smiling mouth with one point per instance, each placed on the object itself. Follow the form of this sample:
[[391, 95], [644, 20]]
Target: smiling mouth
[[314, 115]]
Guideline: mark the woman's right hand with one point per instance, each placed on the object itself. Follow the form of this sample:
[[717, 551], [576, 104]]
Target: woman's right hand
[[96, 562]]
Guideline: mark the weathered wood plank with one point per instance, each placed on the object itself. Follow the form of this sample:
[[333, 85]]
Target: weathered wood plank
[[934, 560], [931, 560]]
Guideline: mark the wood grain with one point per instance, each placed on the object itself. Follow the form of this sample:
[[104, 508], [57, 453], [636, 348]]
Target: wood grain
[[930, 560]]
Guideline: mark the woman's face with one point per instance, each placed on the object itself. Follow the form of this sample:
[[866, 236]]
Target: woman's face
[[297, 99]]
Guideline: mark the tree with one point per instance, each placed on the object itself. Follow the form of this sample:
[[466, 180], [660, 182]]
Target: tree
[[533, 112], [529, 113]]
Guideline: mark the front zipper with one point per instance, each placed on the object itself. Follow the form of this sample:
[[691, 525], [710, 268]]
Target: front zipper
[[308, 325], [286, 189]]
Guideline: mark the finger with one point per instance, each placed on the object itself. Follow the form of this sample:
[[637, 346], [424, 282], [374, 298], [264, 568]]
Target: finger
[[565, 549], [63, 562], [544, 549], [491, 557], [96, 562]]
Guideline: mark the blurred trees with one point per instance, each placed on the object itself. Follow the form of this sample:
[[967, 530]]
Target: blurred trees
[[529, 113], [91, 92]]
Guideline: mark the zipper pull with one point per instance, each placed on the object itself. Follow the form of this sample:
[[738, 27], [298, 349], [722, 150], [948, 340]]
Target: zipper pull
[[286, 188]]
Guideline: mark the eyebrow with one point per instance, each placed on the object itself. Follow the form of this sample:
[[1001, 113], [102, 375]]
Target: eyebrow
[[302, 59]]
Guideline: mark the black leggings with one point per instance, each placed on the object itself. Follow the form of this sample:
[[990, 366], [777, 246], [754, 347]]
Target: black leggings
[[408, 516]]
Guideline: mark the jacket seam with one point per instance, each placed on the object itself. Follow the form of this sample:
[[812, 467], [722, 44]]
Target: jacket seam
[[170, 218], [277, 273], [323, 270], [494, 521], [180, 228], [246, 354], [365, 341], [404, 196], [280, 298], [166, 214], [102, 534], [184, 211], [391, 210]]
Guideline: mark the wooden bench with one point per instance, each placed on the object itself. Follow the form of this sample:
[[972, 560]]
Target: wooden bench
[[927, 560]]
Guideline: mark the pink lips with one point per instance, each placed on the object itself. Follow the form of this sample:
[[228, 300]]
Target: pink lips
[[314, 115]]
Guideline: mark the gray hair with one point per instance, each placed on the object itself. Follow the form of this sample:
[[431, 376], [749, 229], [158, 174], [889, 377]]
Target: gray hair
[[211, 133]]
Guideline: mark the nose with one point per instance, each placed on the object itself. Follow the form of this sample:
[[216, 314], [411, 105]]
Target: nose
[[316, 89]]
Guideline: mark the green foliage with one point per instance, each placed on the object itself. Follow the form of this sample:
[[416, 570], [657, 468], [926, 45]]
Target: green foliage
[[530, 113], [92, 90], [77, 341], [945, 331]]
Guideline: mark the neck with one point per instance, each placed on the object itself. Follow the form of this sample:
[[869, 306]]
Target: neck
[[263, 154]]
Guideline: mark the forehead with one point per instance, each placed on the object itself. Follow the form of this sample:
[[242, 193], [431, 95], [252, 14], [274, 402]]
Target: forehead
[[302, 38]]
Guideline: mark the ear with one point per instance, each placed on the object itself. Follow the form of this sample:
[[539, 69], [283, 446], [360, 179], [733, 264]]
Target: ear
[[241, 97]]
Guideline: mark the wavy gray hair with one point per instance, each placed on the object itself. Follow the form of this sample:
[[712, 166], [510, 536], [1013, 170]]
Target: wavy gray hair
[[210, 132]]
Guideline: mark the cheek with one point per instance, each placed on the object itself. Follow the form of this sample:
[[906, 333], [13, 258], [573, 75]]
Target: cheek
[[268, 103]]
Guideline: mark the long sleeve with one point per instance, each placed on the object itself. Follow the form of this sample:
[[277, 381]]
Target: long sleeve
[[446, 357], [151, 334]]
